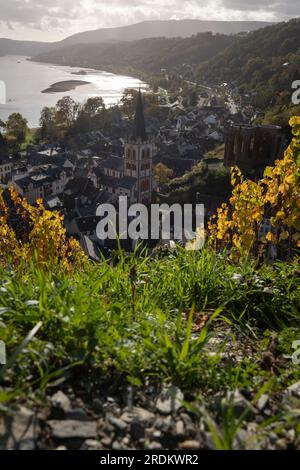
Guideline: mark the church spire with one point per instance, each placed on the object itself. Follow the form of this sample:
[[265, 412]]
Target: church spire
[[139, 119]]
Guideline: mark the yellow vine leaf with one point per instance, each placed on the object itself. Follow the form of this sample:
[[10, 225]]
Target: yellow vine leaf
[[275, 197]]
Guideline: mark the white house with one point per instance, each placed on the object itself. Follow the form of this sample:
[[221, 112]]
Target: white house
[[5, 171]]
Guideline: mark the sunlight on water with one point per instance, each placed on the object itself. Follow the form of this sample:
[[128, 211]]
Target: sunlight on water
[[25, 80]]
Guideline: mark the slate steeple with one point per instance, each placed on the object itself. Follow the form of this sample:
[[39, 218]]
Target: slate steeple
[[139, 119], [138, 156]]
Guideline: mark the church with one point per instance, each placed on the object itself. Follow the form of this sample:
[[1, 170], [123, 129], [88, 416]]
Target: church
[[132, 176]]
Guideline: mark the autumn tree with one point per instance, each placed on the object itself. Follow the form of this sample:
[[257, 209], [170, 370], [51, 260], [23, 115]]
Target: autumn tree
[[93, 106], [162, 173], [48, 122], [66, 112], [128, 101], [91, 115], [16, 128]]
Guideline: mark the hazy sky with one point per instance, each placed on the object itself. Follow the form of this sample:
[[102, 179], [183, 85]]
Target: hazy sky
[[51, 20]]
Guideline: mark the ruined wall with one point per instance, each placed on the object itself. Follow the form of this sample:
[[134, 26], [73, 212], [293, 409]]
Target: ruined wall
[[253, 147]]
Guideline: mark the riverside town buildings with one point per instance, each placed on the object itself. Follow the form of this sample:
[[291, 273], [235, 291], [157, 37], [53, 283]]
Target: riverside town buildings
[[78, 175]]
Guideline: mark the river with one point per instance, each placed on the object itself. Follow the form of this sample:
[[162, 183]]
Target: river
[[25, 80]]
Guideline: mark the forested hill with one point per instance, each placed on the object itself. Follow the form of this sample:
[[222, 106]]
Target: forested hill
[[133, 32], [265, 62], [146, 55], [162, 28]]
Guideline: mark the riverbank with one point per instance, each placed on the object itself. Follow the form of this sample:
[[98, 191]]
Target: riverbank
[[26, 79], [124, 70], [66, 85]]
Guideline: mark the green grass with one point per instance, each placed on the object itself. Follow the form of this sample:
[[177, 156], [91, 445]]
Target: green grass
[[133, 318]]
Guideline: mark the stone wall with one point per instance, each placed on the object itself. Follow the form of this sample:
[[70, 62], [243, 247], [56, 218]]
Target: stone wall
[[253, 147]]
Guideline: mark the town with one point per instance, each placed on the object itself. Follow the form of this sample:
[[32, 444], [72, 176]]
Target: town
[[136, 157]]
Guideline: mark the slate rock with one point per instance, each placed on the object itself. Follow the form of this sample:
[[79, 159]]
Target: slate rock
[[117, 423], [116, 445], [163, 424], [281, 444], [90, 444], [72, 429], [106, 441], [137, 430], [170, 400], [61, 401], [189, 444], [294, 390], [19, 430], [242, 438], [291, 397], [138, 414], [179, 429], [241, 406], [154, 445], [262, 402], [77, 414]]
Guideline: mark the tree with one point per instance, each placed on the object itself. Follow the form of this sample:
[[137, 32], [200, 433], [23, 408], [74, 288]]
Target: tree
[[16, 128], [128, 101], [48, 122], [67, 111], [93, 106], [91, 115], [162, 173]]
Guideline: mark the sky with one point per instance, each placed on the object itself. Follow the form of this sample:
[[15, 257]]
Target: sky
[[52, 20]]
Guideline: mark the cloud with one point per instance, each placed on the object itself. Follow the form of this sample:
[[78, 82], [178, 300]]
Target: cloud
[[280, 9], [64, 17]]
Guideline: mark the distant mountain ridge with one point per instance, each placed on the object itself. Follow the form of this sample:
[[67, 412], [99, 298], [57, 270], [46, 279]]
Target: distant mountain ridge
[[27, 48], [167, 29], [141, 56], [143, 30]]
